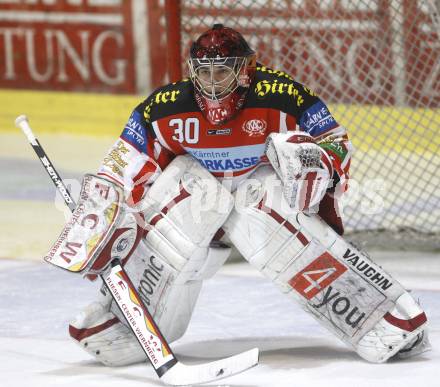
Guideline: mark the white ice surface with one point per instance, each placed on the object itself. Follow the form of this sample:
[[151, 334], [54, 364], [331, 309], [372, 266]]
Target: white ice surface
[[237, 310]]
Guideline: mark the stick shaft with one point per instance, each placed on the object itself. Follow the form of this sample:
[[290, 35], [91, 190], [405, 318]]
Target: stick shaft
[[161, 363], [23, 123]]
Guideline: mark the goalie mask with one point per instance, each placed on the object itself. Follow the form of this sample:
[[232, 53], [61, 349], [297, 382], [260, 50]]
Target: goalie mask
[[222, 67]]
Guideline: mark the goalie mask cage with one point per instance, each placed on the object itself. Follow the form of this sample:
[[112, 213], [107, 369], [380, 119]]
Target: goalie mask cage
[[376, 64]]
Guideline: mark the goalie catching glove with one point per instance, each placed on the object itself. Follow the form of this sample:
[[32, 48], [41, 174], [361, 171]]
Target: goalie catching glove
[[303, 167]]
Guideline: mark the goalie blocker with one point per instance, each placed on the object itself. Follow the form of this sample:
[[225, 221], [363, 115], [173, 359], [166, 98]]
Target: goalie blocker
[[332, 280]]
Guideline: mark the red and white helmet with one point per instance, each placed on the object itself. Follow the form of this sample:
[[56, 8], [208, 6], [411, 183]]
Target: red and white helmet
[[222, 67]]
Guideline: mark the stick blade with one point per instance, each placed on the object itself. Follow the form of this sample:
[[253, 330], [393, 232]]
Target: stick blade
[[182, 375]]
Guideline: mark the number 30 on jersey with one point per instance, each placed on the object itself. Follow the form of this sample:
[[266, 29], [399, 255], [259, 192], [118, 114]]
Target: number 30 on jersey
[[185, 130]]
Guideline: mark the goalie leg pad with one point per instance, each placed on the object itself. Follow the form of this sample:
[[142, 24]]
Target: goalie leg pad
[[101, 330], [401, 332], [183, 210], [101, 334], [339, 285]]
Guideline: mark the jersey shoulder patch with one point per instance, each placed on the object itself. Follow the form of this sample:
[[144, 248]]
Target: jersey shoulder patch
[[134, 132], [317, 119]]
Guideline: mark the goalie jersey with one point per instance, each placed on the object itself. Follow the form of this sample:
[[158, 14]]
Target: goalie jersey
[[169, 123]]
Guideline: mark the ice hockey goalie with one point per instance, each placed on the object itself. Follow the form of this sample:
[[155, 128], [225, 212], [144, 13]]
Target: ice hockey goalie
[[239, 154]]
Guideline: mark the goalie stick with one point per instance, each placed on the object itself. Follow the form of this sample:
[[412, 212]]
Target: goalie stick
[[140, 321]]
